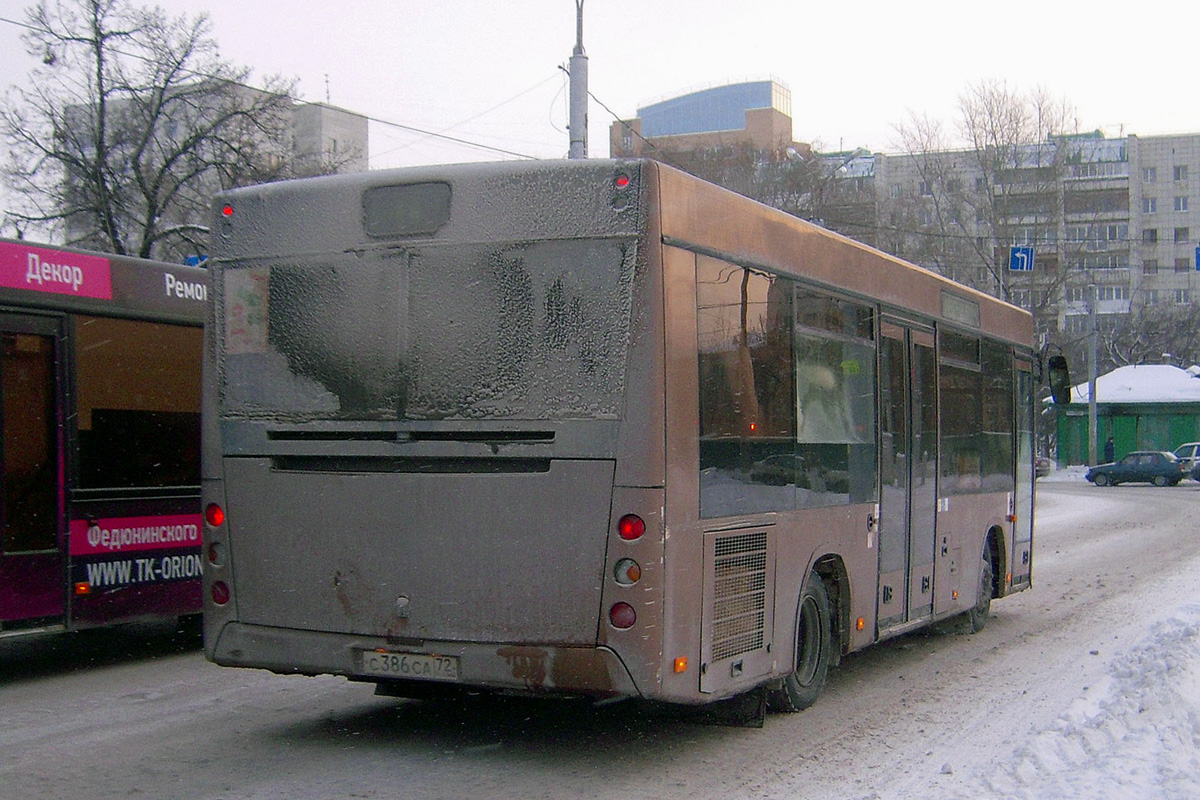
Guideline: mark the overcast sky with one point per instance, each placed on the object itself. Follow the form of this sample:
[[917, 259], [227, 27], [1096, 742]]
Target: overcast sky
[[487, 71]]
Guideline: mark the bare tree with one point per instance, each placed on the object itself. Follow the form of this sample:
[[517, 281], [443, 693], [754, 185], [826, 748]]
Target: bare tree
[[795, 179], [129, 125], [1151, 333], [1018, 142], [935, 226], [757, 173], [1004, 186]]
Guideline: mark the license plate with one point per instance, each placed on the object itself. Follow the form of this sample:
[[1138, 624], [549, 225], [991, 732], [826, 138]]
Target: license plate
[[410, 665]]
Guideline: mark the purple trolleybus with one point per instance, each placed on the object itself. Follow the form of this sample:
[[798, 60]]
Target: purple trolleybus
[[99, 438]]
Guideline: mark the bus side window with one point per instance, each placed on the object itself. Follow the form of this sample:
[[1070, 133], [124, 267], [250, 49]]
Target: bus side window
[[835, 400], [28, 464], [747, 390], [138, 402]]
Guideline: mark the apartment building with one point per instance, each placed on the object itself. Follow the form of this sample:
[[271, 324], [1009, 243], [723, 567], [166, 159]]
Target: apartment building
[[296, 140], [1164, 195], [1089, 221], [326, 137], [1109, 222]]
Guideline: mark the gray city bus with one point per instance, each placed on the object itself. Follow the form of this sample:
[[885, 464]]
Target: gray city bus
[[594, 428]]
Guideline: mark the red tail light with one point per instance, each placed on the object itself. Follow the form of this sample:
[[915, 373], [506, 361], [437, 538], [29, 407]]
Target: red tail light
[[631, 527], [220, 593], [214, 515], [622, 616]]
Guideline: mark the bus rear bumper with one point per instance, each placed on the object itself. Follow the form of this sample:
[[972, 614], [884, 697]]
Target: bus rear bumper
[[595, 672]]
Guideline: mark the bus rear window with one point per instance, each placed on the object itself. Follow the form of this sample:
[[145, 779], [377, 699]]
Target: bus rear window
[[516, 331], [406, 210]]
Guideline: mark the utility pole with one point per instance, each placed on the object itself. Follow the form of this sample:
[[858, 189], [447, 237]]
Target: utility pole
[[579, 90], [1093, 422]]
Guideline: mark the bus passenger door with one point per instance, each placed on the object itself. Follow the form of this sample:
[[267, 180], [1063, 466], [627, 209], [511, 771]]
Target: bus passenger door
[[908, 474], [31, 562], [1022, 566]]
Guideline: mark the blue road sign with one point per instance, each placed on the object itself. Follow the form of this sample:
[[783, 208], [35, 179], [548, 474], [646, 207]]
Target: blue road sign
[[1198, 259], [1020, 259]]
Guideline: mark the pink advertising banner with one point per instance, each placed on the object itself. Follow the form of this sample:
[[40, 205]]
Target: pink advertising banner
[[55, 271], [117, 535]]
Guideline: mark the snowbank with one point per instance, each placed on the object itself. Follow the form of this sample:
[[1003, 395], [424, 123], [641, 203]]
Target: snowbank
[[1075, 474], [1136, 734]]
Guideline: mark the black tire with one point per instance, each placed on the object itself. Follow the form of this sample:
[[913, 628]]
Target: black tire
[[978, 616], [1101, 479], [814, 643], [1160, 480]]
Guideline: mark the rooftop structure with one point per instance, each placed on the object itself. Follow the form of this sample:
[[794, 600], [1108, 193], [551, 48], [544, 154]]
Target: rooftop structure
[[757, 113]]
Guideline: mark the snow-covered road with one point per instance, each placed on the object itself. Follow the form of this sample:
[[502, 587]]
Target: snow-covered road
[[1086, 687]]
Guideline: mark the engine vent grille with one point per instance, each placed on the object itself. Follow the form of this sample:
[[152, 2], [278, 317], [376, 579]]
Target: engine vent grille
[[739, 597]]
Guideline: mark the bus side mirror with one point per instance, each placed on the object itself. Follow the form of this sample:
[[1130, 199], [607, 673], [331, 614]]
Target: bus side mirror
[[1060, 379]]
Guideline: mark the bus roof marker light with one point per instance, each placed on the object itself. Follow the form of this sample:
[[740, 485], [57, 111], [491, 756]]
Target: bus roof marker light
[[622, 184], [227, 211], [631, 527]]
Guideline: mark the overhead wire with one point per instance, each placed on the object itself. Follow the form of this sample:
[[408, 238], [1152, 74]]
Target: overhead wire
[[379, 120], [613, 114], [442, 133]]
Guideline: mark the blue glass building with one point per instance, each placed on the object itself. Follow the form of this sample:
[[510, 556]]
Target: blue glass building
[[722, 108], [756, 113]]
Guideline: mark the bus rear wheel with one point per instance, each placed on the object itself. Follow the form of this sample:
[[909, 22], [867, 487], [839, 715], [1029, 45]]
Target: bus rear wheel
[[814, 642], [978, 616]]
